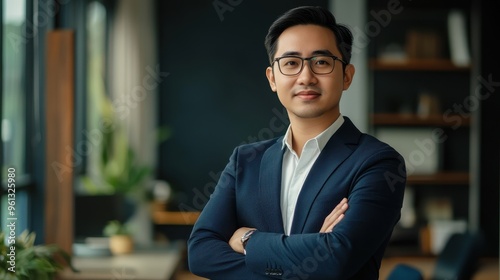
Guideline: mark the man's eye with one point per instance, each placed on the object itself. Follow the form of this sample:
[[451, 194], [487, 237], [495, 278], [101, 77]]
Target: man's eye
[[290, 63], [322, 62]]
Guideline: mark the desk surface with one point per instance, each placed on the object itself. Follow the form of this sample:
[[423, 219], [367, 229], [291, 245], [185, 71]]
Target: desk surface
[[159, 263]]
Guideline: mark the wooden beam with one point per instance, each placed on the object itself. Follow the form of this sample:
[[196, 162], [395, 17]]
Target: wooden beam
[[60, 157]]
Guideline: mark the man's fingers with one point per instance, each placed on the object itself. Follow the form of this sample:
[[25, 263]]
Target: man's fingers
[[335, 216], [339, 209], [330, 228]]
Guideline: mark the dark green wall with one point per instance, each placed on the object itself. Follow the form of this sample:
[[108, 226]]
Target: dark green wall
[[217, 95]]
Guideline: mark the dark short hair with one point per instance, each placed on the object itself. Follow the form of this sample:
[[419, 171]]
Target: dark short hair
[[309, 15]]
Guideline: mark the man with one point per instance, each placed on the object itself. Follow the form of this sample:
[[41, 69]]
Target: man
[[319, 202]]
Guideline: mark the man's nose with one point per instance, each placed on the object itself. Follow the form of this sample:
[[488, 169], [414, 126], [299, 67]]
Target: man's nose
[[307, 76]]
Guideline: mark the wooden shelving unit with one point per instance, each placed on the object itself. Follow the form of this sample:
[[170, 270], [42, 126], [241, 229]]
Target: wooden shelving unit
[[440, 178], [412, 71]]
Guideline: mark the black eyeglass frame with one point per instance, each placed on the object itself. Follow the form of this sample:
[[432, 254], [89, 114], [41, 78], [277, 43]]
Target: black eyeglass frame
[[309, 59]]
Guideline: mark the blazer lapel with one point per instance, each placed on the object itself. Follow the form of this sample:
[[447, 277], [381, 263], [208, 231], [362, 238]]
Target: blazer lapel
[[270, 187], [338, 148]]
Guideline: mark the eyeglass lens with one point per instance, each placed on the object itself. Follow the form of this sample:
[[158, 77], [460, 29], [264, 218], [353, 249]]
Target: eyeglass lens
[[293, 65]]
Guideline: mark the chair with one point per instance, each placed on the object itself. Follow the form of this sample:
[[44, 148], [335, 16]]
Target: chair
[[457, 261], [405, 272], [459, 258]]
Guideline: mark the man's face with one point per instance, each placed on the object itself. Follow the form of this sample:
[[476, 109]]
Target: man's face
[[308, 95]]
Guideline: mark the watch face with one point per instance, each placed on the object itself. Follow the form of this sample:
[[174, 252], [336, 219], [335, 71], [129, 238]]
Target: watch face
[[246, 236]]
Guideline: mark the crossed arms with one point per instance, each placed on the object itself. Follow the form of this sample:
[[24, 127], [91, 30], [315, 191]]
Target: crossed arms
[[335, 244], [330, 221]]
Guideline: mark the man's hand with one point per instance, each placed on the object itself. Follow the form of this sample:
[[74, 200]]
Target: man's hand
[[335, 217], [235, 241]]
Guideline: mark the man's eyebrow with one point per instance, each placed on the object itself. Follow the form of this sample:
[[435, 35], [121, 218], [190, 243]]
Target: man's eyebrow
[[322, 52], [289, 53], [316, 52]]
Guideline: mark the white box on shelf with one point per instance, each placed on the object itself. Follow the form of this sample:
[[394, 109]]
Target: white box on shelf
[[442, 230], [418, 146]]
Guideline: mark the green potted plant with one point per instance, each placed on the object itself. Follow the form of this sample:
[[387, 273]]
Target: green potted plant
[[20, 259], [119, 172], [120, 238]]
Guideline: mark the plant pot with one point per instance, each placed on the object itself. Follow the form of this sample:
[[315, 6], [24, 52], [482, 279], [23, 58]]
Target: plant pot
[[121, 244]]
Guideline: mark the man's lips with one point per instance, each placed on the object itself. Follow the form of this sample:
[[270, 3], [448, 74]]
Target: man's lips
[[307, 94]]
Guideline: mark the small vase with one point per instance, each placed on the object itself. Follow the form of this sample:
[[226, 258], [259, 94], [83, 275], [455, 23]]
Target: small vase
[[121, 244]]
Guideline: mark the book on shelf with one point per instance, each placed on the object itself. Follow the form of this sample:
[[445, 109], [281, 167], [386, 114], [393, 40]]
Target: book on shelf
[[457, 33]]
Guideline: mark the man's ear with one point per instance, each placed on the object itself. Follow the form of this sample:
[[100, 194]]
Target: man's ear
[[270, 78], [348, 75]]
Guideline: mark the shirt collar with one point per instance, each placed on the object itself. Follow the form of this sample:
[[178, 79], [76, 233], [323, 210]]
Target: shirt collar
[[321, 138]]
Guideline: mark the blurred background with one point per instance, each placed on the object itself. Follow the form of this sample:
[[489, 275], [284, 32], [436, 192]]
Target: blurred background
[[128, 110]]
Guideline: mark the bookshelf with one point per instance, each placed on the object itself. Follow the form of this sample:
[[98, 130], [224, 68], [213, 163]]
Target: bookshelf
[[420, 82]]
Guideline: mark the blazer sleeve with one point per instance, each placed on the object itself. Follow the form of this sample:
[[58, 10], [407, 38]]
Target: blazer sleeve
[[209, 254], [375, 201]]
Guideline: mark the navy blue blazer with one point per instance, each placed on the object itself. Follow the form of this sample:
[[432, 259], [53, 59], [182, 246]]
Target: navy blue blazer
[[367, 171]]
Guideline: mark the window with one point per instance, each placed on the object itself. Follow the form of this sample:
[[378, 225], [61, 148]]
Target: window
[[96, 70], [14, 117]]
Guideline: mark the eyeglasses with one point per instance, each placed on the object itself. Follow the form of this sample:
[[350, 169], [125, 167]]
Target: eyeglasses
[[293, 65]]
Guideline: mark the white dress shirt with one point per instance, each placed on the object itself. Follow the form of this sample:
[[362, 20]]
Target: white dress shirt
[[295, 169]]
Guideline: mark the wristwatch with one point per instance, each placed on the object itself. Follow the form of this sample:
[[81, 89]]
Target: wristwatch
[[245, 238]]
